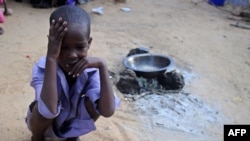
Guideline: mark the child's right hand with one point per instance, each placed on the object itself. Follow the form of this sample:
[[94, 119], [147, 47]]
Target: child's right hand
[[57, 31], [87, 62]]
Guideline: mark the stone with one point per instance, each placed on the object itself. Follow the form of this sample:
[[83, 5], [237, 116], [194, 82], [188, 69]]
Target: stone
[[127, 83], [172, 81]]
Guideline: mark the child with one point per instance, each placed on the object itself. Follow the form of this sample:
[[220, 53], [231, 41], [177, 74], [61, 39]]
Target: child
[[4, 12], [72, 90]]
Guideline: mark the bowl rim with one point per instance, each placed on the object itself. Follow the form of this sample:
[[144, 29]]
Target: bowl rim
[[125, 62]]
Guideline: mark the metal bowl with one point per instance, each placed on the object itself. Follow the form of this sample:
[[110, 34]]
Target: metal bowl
[[148, 65]]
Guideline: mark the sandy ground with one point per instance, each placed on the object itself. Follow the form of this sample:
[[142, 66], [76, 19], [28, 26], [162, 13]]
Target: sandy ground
[[214, 57]]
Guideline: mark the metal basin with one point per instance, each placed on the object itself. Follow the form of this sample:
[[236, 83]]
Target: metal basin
[[148, 65]]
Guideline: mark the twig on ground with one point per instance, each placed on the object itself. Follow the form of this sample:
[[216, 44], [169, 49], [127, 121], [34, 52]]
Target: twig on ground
[[196, 2], [240, 25], [134, 97]]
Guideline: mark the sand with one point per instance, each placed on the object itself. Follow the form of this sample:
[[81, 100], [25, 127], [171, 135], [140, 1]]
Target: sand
[[212, 55]]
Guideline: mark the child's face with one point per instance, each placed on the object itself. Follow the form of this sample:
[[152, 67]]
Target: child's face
[[75, 46]]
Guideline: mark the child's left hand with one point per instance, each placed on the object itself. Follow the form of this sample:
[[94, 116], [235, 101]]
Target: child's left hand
[[88, 62]]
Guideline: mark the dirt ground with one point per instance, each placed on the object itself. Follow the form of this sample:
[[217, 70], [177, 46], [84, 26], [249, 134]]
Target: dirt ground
[[213, 56]]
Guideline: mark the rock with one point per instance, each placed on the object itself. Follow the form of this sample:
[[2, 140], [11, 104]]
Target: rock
[[172, 81], [127, 83], [245, 13], [121, 1], [139, 50]]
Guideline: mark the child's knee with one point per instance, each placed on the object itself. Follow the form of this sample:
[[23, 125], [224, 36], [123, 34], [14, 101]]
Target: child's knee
[[38, 116], [37, 120]]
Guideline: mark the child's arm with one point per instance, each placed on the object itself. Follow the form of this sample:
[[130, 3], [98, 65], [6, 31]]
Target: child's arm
[[49, 90], [106, 103]]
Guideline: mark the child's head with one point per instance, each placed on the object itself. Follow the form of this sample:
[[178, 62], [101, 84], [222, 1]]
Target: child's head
[[73, 15], [77, 40]]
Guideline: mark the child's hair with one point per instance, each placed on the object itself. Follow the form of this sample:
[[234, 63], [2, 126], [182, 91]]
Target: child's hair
[[73, 15]]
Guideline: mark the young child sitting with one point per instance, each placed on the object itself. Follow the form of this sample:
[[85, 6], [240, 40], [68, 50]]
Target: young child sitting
[[71, 89]]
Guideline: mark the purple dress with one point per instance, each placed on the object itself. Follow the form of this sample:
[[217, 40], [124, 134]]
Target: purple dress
[[70, 2], [72, 118]]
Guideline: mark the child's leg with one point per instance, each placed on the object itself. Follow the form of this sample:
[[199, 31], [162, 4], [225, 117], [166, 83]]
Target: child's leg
[[93, 114], [38, 124], [1, 31]]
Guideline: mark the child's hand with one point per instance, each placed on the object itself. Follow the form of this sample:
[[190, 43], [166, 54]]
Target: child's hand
[[57, 31], [88, 62]]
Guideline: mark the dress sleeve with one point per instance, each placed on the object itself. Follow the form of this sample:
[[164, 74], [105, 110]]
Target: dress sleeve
[[93, 87], [37, 84]]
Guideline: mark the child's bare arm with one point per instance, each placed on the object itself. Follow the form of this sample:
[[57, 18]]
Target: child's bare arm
[[106, 103], [49, 91]]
